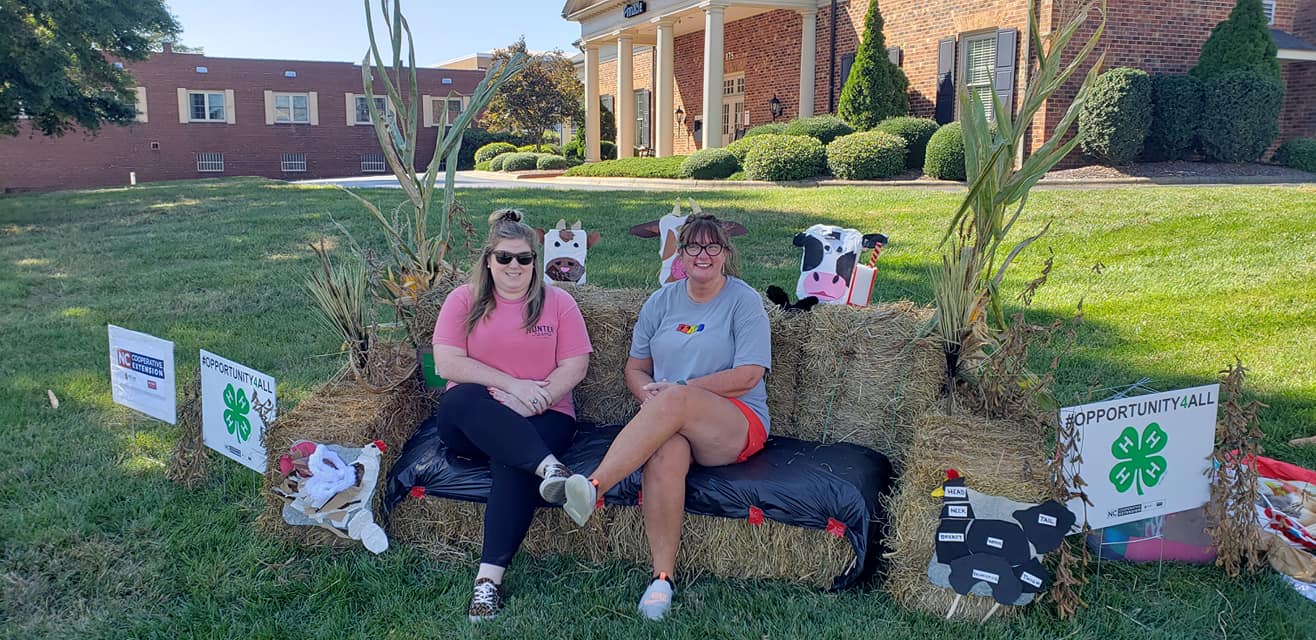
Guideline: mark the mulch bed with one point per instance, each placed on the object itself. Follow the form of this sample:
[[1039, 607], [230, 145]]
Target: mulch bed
[[1180, 169]]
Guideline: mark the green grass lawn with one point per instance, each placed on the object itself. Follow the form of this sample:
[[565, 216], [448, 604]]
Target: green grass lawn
[[94, 543]]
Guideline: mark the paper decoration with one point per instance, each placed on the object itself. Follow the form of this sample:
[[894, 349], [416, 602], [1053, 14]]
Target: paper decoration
[[321, 489], [827, 267], [142, 373], [565, 251], [236, 404], [668, 229]]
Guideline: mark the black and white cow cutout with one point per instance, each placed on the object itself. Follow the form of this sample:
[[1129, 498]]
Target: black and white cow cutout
[[668, 230], [565, 251], [830, 254]]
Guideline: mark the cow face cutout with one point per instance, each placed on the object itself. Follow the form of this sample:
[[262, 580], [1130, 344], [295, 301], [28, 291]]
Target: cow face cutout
[[829, 257], [668, 229], [565, 251]]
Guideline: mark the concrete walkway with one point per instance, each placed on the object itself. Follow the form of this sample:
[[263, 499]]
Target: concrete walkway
[[491, 180]]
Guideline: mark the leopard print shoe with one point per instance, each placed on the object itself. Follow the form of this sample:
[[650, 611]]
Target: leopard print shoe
[[486, 601]]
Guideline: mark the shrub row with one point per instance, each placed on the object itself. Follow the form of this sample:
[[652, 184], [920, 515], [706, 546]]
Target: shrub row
[[1298, 153], [669, 167]]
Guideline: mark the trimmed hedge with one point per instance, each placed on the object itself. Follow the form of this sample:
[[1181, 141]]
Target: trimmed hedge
[[483, 166], [1114, 121], [866, 155], [572, 150], [550, 161], [575, 150], [945, 156], [497, 163], [741, 147], [488, 151], [915, 132], [1298, 153], [474, 138], [1240, 116], [1176, 110], [823, 128], [519, 161], [710, 164], [784, 157], [669, 167], [550, 149], [764, 129], [607, 150]]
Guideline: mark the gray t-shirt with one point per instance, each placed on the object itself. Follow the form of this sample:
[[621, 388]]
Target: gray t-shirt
[[689, 340]]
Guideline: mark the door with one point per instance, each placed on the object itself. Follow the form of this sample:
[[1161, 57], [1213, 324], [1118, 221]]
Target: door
[[734, 118]]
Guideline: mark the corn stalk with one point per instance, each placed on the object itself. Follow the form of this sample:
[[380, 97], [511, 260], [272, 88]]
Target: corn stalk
[[339, 292], [967, 282], [420, 258]]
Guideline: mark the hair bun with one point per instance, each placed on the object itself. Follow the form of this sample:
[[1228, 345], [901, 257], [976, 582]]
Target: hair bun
[[505, 215]]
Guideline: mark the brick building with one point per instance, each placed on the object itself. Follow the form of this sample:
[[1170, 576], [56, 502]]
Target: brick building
[[200, 117], [789, 50]]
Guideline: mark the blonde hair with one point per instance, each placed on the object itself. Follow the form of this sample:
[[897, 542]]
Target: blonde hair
[[505, 224], [706, 225]]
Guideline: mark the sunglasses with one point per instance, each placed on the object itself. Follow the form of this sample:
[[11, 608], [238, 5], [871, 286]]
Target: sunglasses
[[522, 259], [693, 250]]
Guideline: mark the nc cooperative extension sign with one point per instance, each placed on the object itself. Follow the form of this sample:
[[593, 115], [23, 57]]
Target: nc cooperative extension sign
[[142, 373], [1144, 456]]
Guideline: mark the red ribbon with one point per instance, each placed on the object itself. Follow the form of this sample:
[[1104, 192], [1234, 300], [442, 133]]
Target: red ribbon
[[756, 516], [418, 491], [836, 527]]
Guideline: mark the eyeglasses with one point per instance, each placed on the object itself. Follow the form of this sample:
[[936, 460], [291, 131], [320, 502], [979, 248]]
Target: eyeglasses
[[693, 250], [522, 259]]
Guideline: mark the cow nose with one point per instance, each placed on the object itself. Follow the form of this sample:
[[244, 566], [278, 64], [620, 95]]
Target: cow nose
[[815, 276], [836, 279]]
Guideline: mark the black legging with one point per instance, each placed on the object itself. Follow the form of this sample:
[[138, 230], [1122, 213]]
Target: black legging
[[475, 425]]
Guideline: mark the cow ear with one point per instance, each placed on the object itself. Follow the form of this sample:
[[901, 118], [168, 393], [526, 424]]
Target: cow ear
[[576, 226], [540, 233], [799, 239], [561, 224], [645, 229], [734, 228], [591, 238], [871, 240]]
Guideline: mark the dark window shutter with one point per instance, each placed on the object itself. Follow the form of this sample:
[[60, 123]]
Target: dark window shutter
[[945, 111], [893, 54], [847, 61], [1005, 64]]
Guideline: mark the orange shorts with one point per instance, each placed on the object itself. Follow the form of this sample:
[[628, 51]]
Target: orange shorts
[[757, 434]]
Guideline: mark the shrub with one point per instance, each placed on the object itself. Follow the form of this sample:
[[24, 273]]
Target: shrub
[[1176, 110], [669, 167], [1241, 42], [876, 89], [866, 155], [915, 132], [497, 163], [710, 164], [474, 139], [1298, 153], [519, 161], [824, 128], [762, 129], [1113, 122], [572, 150], [483, 166], [1240, 116], [607, 150], [550, 149], [488, 151], [945, 156], [784, 157], [741, 147], [550, 161]]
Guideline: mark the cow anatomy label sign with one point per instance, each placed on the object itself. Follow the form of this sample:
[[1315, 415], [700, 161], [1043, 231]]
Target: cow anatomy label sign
[[235, 403], [142, 373], [1144, 456]]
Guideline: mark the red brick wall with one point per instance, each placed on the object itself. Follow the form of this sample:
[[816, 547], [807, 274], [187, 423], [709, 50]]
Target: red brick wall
[[1298, 118], [250, 147]]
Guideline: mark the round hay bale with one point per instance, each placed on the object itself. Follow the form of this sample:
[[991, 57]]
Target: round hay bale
[[996, 457]]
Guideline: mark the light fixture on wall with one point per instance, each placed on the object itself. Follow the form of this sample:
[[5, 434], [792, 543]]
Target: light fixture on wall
[[680, 117], [774, 105]]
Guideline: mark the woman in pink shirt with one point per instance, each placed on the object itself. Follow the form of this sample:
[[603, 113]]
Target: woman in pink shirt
[[512, 350]]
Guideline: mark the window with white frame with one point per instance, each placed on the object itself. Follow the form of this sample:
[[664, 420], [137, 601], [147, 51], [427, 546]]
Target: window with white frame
[[643, 100], [372, 163], [210, 162], [455, 105], [206, 106], [363, 108], [292, 108], [1269, 7], [978, 65], [733, 86], [293, 163]]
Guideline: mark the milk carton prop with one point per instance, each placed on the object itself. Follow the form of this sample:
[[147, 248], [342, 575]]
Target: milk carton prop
[[668, 228], [564, 252], [827, 269]]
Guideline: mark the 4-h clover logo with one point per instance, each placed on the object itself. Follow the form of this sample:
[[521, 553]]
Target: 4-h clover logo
[[1140, 463], [236, 408]]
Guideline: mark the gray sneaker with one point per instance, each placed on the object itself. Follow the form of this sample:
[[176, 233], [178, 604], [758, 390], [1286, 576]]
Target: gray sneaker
[[581, 497], [657, 599], [553, 489]]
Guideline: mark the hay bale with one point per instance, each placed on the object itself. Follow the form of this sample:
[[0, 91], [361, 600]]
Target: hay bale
[[347, 414], [452, 530], [865, 376], [190, 465], [610, 316], [996, 457], [789, 332]]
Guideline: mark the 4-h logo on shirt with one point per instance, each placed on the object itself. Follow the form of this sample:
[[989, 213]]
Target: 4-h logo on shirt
[[1140, 463], [690, 329]]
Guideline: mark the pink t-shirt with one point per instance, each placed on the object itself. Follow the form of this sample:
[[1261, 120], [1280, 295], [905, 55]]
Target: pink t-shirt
[[501, 341]]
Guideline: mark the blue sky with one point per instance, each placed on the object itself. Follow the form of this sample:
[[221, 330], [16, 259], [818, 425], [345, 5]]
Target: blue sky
[[335, 29]]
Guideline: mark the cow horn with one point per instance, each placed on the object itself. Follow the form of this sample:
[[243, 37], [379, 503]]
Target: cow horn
[[694, 207], [576, 226], [561, 224], [676, 208]]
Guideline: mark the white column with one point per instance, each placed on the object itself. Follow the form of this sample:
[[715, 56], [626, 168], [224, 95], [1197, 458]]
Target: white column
[[808, 60], [665, 82], [713, 56], [591, 103], [625, 100]]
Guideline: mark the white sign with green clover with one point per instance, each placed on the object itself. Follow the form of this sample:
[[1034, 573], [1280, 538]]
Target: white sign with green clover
[[236, 403], [1144, 456]]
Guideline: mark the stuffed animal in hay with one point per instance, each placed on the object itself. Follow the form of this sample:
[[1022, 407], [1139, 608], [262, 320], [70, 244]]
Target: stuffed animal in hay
[[777, 296], [668, 228], [988, 545], [564, 252], [321, 489], [828, 266]]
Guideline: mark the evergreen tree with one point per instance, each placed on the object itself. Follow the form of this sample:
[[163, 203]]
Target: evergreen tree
[[876, 89], [1242, 42]]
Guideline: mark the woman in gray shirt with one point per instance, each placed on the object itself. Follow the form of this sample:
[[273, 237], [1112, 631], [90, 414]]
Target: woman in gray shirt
[[698, 355]]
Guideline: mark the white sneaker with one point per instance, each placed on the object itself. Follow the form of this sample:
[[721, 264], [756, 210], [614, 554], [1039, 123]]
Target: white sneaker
[[657, 599], [553, 489], [581, 495]]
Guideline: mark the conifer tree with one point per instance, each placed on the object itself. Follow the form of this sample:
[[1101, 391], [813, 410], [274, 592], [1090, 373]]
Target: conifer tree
[[1241, 42], [876, 89]]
